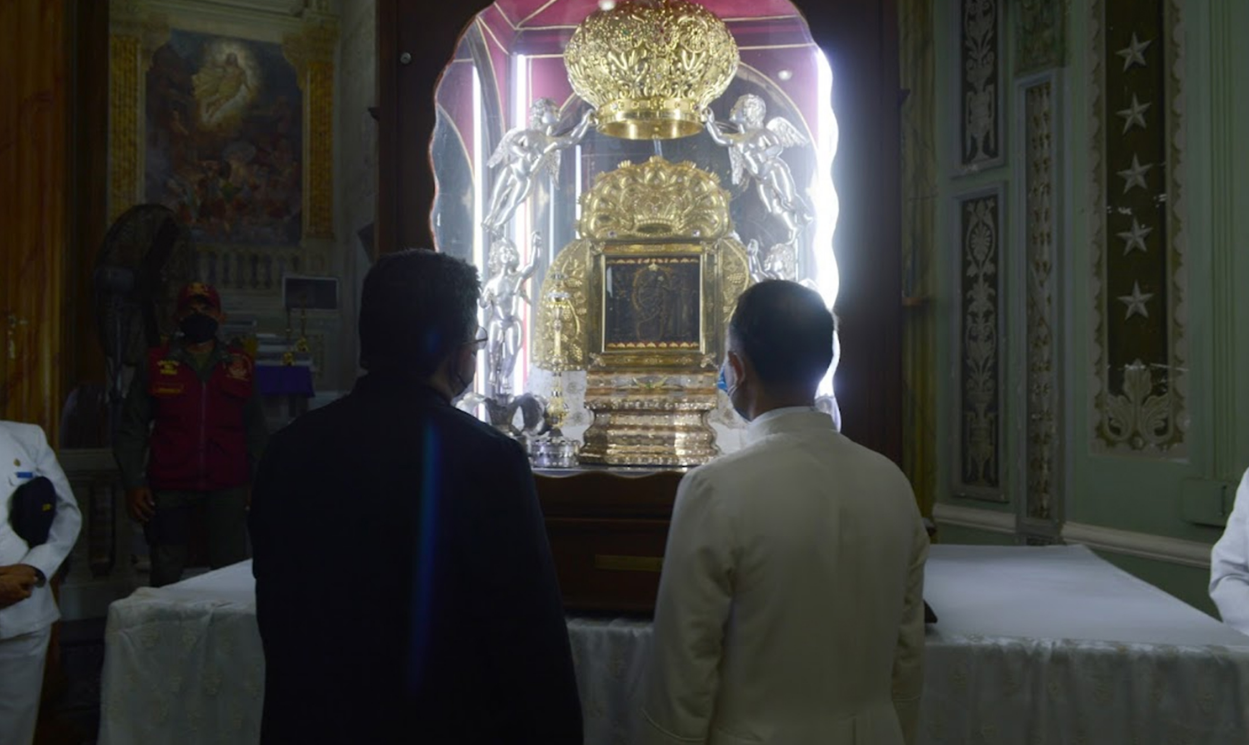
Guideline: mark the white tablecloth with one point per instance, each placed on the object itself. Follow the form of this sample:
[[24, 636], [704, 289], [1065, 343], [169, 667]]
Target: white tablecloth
[[1033, 645]]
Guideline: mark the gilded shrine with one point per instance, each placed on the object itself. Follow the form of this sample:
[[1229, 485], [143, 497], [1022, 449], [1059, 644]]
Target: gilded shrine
[[620, 177]]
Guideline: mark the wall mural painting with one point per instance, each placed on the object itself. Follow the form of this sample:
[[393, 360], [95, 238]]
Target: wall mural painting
[[224, 139], [980, 353], [1139, 262]]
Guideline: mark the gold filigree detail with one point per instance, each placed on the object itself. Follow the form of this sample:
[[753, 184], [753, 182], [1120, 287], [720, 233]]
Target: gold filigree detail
[[123, 68], [650, 401], [651, 67], [311, 53], [314, 43], [562, 340], [656, 199], [664, 424]]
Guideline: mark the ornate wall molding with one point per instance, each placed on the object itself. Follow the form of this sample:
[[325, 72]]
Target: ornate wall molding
[[134, 35], [1141, 545], [1043, 372], [980, 334], [980, 84], [1040, 35], [1227, 88], [991, 521], [311, 52], [1138, 247]]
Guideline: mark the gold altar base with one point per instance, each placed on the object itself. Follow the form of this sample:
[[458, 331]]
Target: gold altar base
[[655, 426]]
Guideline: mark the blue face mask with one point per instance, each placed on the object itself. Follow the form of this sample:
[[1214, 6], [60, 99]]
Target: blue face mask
[[720, 383]]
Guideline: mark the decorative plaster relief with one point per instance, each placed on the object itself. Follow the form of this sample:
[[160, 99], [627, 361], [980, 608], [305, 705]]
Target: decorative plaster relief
[[1044, 476], [1040, 35], [1138, 348], [980, 83], [980, 349]]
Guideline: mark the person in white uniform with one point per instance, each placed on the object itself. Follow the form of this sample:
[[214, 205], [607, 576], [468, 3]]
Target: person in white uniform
[[790, 607], [27, 608], [1229, 564]]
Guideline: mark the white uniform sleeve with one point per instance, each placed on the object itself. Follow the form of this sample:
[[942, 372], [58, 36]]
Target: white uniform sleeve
[[48, 557], [1229, 564], [695, 592]]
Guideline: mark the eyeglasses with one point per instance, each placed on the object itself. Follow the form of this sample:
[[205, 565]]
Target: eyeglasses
[[479, 343]]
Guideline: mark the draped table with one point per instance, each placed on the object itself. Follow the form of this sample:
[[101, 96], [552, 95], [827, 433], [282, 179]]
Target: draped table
[[1033, 645]]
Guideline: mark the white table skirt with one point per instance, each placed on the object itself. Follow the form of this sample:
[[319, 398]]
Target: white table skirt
[[1033, 645]]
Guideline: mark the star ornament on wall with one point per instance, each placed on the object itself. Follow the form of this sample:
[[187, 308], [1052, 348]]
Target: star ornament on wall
[[1134, 115], [1134, 53], [1135, 176], [1136, 302], [1134, 239]]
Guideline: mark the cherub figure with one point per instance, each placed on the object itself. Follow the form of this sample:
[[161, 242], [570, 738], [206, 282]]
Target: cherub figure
[[780, 261], [525, 153], [755, 149], [501, 299]]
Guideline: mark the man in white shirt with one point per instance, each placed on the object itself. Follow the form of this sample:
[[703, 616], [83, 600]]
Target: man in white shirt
[[790, 607], [1229, 564], [27, 608]]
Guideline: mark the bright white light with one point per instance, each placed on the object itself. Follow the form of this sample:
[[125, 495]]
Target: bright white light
[[479, 201], [606, 4], [827, 278], [784, 75], [522, 225]]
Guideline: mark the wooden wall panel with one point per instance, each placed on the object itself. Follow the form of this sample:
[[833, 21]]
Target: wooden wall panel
[[34, 151]]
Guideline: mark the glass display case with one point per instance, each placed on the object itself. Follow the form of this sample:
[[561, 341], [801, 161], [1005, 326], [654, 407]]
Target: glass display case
[[620, 172]]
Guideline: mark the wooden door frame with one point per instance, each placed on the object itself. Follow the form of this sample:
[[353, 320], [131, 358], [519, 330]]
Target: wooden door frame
[[861, 38]]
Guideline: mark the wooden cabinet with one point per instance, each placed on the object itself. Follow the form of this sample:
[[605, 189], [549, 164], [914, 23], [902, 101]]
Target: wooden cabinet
[[607, 530]]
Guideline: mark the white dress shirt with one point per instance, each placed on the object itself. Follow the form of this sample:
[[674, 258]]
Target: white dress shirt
[[24, 449], [1229, 564], [790, 607]]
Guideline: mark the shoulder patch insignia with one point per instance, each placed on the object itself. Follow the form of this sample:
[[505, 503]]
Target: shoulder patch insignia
[[240, 367]]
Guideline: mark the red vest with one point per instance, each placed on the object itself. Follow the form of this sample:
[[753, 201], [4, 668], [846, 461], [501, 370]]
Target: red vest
[[199, 435]]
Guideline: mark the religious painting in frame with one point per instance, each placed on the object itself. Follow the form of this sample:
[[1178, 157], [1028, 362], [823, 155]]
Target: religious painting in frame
[[652, 301], [224, 145], [228, 119]]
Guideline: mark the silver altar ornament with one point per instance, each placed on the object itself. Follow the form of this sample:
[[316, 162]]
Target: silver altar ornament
[[780, 262], [501, 300], [524, 154], [755, 150]]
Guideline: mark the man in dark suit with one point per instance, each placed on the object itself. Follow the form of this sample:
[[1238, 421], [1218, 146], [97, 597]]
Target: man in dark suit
[[405, 589]]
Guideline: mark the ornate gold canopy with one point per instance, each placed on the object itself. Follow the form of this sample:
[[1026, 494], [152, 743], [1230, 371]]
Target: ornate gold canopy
[[651, 67]]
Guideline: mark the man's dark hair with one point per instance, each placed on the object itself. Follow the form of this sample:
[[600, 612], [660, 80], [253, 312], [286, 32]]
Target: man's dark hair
[[785, 331], [416, 307]]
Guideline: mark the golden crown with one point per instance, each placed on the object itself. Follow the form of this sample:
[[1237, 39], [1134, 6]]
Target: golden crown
[[674, 201], [651, 67]]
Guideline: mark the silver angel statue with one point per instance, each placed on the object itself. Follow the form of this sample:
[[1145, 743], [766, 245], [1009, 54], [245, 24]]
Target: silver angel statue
[[525, 153], [755, 149], [780, 261], [501, 298]]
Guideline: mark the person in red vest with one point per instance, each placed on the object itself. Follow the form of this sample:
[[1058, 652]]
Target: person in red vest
[[194, 416]]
